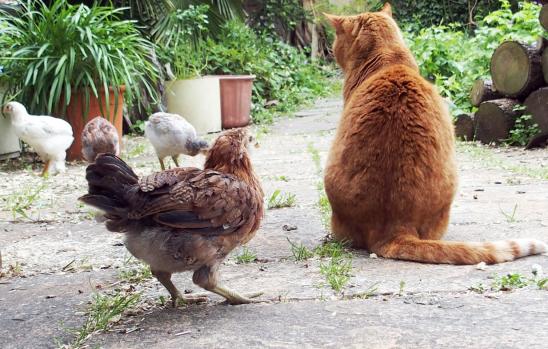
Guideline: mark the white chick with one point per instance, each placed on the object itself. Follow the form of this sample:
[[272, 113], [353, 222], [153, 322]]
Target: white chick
[[50, 137], [171, 135]]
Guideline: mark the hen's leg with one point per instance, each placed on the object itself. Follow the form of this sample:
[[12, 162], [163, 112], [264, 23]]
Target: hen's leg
[[165, 279], [206, 277], [45, 172], [162, 164], [175, 160]]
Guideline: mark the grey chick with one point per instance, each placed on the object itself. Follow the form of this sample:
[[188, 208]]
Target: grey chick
[[171, 135]]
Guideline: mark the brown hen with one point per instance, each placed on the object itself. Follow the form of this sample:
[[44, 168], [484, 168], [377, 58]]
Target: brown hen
[[184, 218], [99, 136]]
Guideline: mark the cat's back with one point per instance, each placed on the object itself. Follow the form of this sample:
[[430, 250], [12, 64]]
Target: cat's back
[[395, 137]]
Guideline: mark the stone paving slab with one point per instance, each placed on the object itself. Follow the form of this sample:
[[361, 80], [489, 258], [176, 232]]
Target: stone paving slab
[[434, 308]]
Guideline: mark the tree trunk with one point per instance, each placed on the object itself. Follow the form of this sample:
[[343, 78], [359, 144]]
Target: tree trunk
[[464, 127], [482, 91], [314, 53], [543, 17], [537, 106], [494, 120], [516, 69]]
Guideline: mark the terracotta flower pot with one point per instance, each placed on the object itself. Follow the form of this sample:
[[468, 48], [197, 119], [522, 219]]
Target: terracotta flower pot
[[236, 100], [75, 115]]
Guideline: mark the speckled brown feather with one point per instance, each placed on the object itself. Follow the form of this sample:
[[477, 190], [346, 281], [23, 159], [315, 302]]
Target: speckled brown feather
[[99, 136]]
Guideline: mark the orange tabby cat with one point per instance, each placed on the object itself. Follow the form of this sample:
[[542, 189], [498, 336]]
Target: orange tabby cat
[[391, 174]]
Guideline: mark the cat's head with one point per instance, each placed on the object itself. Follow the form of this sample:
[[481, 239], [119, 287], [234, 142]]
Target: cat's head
[[359, 36]]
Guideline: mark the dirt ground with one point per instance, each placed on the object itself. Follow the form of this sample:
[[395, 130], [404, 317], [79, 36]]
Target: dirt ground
[[56, 259]]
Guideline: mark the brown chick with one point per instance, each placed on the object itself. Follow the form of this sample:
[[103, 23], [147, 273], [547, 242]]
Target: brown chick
[[99, 136], [184, 218]]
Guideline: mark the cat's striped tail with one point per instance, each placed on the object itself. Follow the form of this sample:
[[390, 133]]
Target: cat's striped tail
[[410, 247]]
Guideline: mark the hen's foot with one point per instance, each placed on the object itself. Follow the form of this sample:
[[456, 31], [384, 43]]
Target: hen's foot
[[189, 299], [234, 298]]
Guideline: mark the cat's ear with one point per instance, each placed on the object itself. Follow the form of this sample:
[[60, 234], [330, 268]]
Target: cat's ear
[[336, 22], [387, 8]]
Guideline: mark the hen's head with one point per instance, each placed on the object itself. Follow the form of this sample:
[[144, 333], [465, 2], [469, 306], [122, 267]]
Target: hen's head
[[230, 151], [14, 108]]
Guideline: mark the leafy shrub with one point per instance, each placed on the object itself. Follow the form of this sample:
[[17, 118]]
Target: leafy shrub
[[454, 59], [282, 72], [438, 12], [50, 51], [181, 37]]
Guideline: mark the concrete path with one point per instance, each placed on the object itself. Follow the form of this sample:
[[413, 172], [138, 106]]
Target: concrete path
[[53, 266]]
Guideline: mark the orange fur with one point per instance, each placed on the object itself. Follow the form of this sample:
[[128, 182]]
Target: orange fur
[[391, 174]]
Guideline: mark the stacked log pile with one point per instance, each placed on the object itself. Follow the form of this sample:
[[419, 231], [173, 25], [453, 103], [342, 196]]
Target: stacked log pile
[[518, 85]]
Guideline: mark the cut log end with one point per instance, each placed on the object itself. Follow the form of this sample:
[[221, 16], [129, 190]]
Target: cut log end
[[494, 120], [544, 62], [516, 69], [537, 106], [483, 90], [464, 127], [543, 16]]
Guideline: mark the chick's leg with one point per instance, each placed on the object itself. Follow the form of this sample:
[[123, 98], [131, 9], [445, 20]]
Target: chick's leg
[[165, 279], [162, 164], [206, 277], [175, 160], [45, 172]]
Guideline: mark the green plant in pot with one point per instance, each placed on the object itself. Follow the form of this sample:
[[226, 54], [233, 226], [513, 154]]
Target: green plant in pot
[[74, 60]]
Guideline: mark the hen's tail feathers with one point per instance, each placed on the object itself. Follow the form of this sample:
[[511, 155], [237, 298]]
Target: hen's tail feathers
[[410, 247], [111, 182]]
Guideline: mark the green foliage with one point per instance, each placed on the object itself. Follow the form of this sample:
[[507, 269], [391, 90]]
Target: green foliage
[[300, 252], [50, 51], [279, 16], [429, 13], [524, 129], [181, 36], [510, 282], [454, 59], [337, 272], [282, 72], [103, 312], [281, 200], [247, 256], [20, 203]]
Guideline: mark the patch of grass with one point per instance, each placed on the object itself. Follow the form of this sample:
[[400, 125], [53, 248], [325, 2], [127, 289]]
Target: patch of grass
[[370, 292], [282, 178], [262, 131], [337, 271], [136, 150], [246, 256], [331, 249], [281, 200], [300, 252], [510, 282], [402, 288], [510, 217], [137, 274], [479, 288], [104, 311], [324, 206], [315, 157], [20, 203]]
